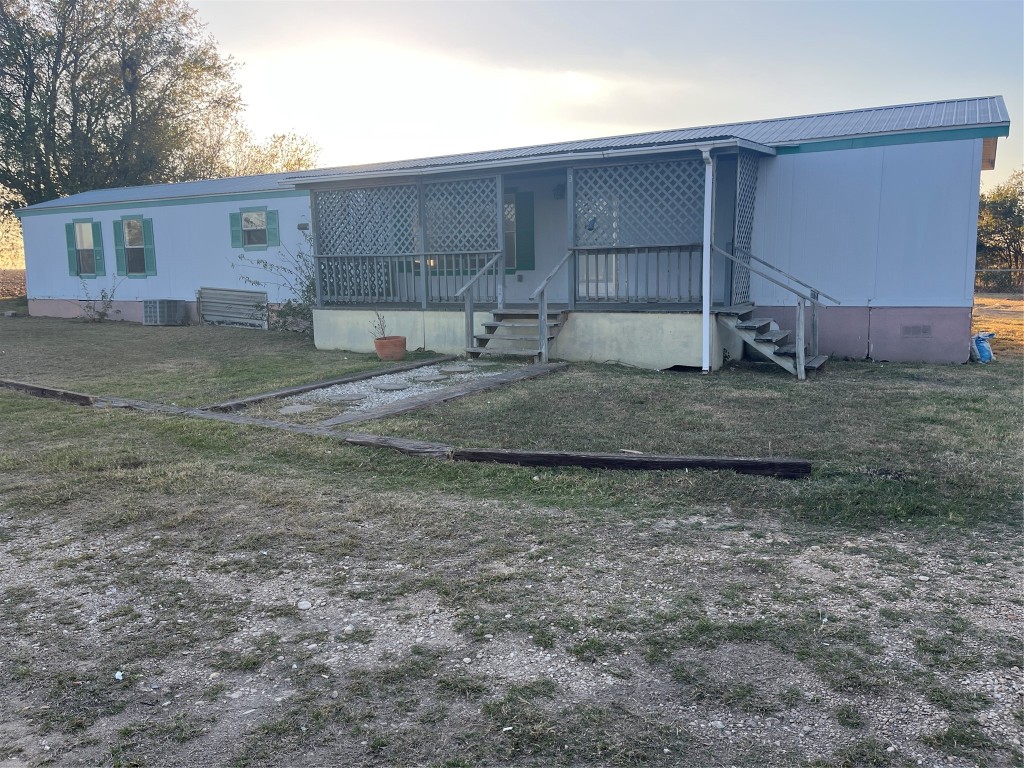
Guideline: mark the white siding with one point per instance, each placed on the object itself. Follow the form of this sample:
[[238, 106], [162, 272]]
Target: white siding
[[192, 243], [884, 226]]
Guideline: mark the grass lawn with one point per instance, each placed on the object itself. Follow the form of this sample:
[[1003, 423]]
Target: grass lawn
[[189, 365], [184, 592]]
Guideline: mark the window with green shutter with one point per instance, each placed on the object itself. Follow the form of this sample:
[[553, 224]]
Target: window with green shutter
[[135, 247], [85, 248], [255, 229]]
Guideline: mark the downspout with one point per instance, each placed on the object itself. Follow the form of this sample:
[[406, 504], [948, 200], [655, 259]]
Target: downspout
[[709, 182]]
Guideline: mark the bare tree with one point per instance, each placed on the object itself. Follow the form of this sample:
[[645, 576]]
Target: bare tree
[[101, 93]]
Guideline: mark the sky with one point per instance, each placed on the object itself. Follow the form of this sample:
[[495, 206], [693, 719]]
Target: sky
[[374, 81]]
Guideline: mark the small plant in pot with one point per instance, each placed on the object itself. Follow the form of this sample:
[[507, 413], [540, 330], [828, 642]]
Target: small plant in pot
[[388, 347]]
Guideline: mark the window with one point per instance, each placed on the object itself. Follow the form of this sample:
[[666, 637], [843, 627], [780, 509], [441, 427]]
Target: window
[[133, 241], [255, 229], [85, 248], [134, 247]]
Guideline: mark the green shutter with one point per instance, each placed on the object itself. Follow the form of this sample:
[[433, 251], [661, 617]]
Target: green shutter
[[97, 248], [69, 233], [273, 229], [122, 266], [525, 254], [236, 229], [150, 251]]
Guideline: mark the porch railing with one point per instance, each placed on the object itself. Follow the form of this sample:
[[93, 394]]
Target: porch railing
[[667, 274], [402, 279], [812, 297]]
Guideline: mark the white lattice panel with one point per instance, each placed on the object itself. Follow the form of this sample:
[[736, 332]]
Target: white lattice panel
[[378, 221], [462, 216], [641, 204], [746, 194]]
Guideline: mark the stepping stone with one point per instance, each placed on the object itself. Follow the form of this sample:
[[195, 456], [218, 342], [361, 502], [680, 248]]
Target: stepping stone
[[430, 378], [456, 369], [290, 409], [481, 363], [396, 386]]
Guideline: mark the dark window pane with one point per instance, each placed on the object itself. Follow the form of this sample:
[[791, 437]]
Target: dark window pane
[[136, 260], [254, 237], [86, 261]]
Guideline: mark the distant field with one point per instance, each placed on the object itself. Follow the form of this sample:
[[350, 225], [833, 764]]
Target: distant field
[[1003, 315], [12, 283]]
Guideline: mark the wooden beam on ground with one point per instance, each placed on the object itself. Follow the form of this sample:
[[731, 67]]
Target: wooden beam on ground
[[49, 392], [416, 402], [245, 402], [776, 467]]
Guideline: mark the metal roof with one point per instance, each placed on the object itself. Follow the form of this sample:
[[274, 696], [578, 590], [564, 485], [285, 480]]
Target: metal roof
[[269, 182], [933, 115], [901, 118]]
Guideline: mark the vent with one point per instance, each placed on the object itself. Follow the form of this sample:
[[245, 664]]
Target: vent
[[163, 312], [221, 306], [916, 331]]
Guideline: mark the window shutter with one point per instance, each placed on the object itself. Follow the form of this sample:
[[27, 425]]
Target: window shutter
[[69, 233], [150, 249], [525, 256], [273, 229], [236, 229], [97, 248], [122, 266]]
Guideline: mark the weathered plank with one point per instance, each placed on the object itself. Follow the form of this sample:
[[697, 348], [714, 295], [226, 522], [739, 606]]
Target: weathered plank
[[409, 447], [53, 393], [428, 399], [776, 467], [245, 402]]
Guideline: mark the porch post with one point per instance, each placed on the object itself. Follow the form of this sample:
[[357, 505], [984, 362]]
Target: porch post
[[709, 182], [421, 242], [499, 288]]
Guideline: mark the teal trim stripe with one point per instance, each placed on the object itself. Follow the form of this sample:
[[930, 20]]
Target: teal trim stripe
[[135, 204], [893, 139]]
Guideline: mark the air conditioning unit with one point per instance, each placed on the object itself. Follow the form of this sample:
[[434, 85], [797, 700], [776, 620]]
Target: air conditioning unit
[[163, 312]]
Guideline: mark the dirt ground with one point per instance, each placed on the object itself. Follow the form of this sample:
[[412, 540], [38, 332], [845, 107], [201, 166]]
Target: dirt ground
[[695, 639]]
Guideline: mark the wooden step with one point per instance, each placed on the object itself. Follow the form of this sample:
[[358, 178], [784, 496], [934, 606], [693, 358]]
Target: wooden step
[[816, 362], [499, 336], [754, 324], [771, 337], [520, 324], [516, 314], [502, 352], [789, 350]]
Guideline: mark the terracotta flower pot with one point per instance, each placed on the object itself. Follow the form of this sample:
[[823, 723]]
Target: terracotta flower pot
[[390, 347]]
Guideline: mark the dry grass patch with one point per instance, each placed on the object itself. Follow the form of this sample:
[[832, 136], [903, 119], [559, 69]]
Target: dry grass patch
[[466, 614], [190, 365]]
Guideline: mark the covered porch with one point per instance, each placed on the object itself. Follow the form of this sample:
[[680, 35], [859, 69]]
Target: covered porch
[[600, 233]]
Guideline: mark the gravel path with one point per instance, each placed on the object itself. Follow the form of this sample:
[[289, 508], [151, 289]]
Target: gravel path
[[373, 397]]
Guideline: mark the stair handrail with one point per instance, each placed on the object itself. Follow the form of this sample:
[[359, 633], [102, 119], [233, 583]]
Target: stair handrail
[[472, 281], [795, 279], [813, 299], [551, 276], [541, 295], [815, 293], [468, 294]]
